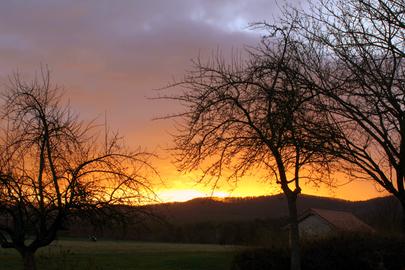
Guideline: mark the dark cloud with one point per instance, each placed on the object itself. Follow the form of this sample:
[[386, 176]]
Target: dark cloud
[[109, 55]]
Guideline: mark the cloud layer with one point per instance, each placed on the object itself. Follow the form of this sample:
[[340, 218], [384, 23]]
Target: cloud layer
[[110, 55]]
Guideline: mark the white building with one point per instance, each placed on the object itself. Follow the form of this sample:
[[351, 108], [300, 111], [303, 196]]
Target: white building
[[318, 223]]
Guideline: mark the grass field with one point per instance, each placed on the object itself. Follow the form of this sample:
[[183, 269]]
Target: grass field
[[109, 255]]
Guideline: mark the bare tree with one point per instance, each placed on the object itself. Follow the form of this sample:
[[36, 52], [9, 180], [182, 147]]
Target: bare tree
[[360, 72], [53, 167], [253, 115]]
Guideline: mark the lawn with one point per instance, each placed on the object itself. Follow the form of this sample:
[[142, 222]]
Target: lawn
[[106, 255]]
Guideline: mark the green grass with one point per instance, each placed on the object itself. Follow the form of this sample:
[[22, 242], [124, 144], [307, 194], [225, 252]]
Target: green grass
[[106, 255]]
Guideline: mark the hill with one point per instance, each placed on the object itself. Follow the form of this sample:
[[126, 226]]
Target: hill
[[253, 220], [273, 207]]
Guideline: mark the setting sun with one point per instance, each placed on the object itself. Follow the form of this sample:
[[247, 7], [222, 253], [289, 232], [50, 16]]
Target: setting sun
[[182, 195]]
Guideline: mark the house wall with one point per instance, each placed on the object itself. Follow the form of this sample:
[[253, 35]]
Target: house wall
[[314, 227]]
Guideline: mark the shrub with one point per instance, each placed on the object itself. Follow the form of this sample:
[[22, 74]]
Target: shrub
[[343, 252], [261, 259]]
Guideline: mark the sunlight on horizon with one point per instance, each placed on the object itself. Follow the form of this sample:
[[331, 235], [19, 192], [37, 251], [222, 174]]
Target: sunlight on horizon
[[182, 195], [183, 190]]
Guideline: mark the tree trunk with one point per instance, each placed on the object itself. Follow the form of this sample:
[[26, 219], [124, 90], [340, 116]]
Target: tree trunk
[[29, 260], [402, 200], [295, 251]]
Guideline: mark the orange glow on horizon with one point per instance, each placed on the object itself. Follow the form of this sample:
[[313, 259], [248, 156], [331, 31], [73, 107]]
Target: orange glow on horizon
[[182, 195], [178, 186], [183, 187]]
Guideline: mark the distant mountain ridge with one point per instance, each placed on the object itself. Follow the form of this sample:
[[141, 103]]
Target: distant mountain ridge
[[273, 207]]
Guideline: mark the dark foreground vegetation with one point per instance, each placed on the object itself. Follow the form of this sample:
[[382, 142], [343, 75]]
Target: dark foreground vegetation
[[342, 252]]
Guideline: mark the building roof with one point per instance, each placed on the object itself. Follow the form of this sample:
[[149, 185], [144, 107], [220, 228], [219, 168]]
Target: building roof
[[340, 220]]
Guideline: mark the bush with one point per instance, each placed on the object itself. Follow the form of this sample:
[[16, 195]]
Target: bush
[[261, 259], [344, 252]]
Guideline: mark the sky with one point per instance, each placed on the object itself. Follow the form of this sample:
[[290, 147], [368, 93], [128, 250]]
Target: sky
[[109, 57]]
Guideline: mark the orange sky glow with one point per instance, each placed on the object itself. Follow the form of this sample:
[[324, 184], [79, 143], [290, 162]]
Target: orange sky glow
[[111, 56], [183, 187]]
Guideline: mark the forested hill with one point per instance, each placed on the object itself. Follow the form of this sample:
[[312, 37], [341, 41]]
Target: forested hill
[[254, 220], [272, 207]]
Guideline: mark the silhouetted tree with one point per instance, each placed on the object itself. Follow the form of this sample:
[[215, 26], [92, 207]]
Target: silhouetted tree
[[358, 49], [52, 167], [253, 115]]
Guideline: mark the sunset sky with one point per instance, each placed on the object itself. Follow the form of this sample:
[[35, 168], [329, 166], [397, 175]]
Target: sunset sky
[[109, 56]]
